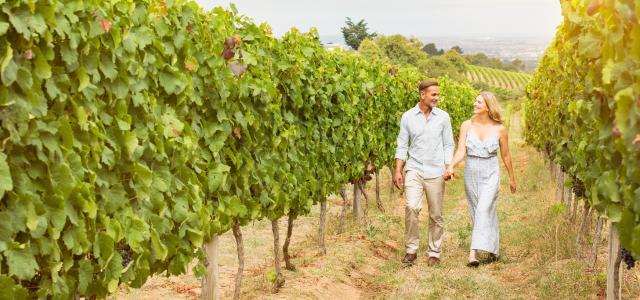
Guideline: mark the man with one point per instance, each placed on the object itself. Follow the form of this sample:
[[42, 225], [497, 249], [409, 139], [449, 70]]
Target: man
[[426, 136]]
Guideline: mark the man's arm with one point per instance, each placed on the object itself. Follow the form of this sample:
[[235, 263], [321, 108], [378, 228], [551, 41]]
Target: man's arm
[[401, 153], [448, 144]]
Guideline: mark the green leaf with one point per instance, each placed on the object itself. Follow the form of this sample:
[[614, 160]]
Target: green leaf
[[172, 84], [115, 198], [614, 213], [22, 263], [4, 26], [130, 142], [6, 182], [62, 179], [85, 275], [11, 290], [108, 68], [589, 45], [10, 73], [160, 184], [217, 177], [103, 248], [42, 67], [136, 232], [144, 37], [143, 174], [24, 78], [158, 249], [27, 23], [172, 126], [83, 78], [7, 57], [624, 103]]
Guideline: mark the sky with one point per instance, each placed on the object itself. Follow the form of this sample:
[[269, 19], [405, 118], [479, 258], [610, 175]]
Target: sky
[[426, 18]]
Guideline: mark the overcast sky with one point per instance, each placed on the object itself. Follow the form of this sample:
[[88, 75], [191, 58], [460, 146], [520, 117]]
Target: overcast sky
[[426, 18]]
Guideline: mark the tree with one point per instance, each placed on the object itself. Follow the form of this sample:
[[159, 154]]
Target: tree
[[401, 50], [355, 33], [456, 60], [518, 64], [432, 50], [457, 49]]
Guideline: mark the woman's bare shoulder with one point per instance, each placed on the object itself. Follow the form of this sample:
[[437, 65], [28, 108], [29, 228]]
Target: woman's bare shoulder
[[501, 128]]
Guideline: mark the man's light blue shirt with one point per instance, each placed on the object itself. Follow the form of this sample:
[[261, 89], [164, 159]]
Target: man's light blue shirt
[[427, 141]]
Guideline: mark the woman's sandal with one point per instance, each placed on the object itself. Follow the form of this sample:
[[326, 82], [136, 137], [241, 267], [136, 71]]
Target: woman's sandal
[[473, 263]]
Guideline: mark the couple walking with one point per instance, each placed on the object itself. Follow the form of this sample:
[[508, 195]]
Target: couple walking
[[425, 146]]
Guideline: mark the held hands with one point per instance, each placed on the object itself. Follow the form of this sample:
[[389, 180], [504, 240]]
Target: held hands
[[449, 174]]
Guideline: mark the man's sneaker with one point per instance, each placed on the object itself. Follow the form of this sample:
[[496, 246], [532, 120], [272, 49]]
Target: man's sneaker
[[432, 261], [409, 258]]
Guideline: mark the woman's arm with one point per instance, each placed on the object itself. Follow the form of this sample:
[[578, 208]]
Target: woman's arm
[[506, 157], [462, 146]]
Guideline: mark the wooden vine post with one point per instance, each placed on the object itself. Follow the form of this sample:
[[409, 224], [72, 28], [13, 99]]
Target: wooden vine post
[[209, 285], [614, 267], [596, 241], [279, 280], [321, 231], [357, 202]]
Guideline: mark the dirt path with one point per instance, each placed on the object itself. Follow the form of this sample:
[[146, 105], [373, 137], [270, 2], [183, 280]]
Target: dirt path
[[538, 258]]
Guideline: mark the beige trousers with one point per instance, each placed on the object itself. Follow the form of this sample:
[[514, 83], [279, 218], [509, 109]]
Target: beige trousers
[[415, 186]]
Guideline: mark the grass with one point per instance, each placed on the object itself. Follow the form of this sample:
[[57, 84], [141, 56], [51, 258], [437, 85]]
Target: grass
[[538, 256]]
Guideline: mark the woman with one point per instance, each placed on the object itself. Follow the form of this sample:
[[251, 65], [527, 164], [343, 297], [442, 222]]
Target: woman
[[480, 138]]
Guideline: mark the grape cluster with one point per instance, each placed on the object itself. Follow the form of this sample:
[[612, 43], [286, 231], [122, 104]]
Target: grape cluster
[[127, 255], [629, 260], [578, 187]]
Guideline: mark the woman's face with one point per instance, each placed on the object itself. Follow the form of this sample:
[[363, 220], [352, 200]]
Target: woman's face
[[480, 106]]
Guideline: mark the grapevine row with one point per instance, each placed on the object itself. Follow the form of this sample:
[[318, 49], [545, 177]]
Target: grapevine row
[[132, 131], [588, 87]]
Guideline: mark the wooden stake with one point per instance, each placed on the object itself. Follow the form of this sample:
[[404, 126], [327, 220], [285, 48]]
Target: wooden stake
[[357, 203], [559, 187], [279, 282], [209, 284], [321, 233], [596, 241], [614, 267], [581, 228]]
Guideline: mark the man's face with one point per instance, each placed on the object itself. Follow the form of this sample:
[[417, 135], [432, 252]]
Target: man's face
[[430, 96]]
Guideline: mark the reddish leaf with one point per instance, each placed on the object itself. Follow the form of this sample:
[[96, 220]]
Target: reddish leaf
[[189, 66], [106, 25], [237, 133]]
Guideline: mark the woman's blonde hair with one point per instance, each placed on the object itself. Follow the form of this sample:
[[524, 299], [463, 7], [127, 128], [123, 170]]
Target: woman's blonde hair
[[495, 111]]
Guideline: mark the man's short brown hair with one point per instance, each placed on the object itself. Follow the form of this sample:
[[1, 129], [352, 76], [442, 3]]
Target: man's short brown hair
[[425, 84]]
